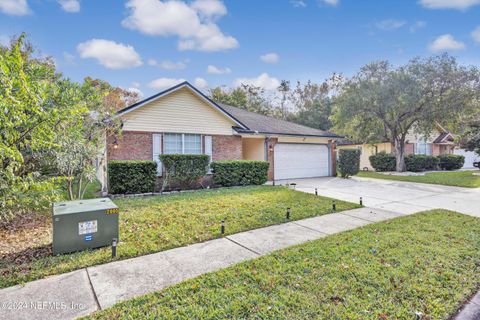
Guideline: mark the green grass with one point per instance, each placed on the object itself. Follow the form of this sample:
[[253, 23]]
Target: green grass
[[454, 178], [427, 263], [158, 223]]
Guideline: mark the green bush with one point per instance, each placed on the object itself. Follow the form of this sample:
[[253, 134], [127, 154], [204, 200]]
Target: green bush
[[431, 163], [348, 162], [184, 170], [383, 161], [239, 172], [125, 176], [451, 161], [415, 162]]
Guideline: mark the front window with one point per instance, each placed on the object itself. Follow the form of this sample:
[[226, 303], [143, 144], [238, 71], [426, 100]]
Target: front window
[[182, 143], [423, 147]]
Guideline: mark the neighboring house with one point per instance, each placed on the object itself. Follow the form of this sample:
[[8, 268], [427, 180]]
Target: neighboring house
[[441, 141], [183, 120]]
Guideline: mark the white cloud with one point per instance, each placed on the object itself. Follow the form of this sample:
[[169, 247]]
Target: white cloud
[[14, 7], [390, 24], [200, 83], [110, 54], [417, 25], [135, 84], [449, 4], [170, 65], [70, 5], [330, 2], [137, 91], [192, 23], [264, 81], [298, 3], [164, 83], [476, 34], [152, 62], [210, 8], [270, 57], [215, 70], [446, 42]]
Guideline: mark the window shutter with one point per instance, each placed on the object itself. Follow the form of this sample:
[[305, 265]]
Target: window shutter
[[208, 149], [157, 151]]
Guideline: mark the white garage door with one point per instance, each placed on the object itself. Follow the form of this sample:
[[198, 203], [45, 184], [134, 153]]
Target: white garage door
[[300, 161], [470, 157]]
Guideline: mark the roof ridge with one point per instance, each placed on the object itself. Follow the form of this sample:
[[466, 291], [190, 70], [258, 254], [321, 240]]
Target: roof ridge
[[277, 119]]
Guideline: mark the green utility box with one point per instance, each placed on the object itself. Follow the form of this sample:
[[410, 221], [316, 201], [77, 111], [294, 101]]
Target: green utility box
[[84, 224]]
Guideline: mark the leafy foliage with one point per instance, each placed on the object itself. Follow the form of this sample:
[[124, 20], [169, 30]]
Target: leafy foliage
[[126, 176], [384, 103], [451, 161], [348, 162], [382, 161], [239, 172], [420, 162], [32, 106], [184, 169]]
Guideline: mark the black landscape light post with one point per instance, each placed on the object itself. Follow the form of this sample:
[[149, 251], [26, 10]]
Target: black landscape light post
[[288, 213], [222, 228], [334, 205], [114, 247], [361, 201]]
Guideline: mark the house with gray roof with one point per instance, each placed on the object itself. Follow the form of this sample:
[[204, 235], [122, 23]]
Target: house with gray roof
[[182, 120]]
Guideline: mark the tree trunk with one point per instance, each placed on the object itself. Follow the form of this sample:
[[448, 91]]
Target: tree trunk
[[399, 145]]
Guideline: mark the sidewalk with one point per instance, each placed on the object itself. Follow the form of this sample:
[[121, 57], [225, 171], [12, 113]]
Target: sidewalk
[[84, 291]]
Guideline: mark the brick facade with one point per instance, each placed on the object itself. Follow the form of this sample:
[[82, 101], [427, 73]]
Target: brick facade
[[409, 148], [227, 148], [131, 145]]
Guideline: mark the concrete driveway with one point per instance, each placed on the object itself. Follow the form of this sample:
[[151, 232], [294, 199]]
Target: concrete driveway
[[398, 196]]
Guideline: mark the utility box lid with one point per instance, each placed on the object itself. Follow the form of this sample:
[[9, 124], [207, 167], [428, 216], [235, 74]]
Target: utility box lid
[[69, 207]]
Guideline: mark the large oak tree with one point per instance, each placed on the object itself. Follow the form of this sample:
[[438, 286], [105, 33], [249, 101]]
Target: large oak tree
[[382, 102]]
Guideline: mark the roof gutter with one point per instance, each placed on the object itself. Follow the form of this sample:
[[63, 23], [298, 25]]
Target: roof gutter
[[290, 134]]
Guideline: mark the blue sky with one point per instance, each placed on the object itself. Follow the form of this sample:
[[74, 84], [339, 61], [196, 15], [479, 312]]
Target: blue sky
[[151, 44]]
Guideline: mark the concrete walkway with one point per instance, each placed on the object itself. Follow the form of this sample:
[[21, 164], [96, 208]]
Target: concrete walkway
[[84, 291], [398, 196]]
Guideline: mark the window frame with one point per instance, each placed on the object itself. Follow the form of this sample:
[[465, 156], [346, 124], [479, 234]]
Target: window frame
[[165, 135]]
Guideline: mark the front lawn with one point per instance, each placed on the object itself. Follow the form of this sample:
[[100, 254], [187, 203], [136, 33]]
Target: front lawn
[[454, 178], [158, 223], [422, 266]]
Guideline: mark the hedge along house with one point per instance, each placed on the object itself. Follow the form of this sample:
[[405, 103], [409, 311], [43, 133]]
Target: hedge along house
[[182, 120], [441, 141]]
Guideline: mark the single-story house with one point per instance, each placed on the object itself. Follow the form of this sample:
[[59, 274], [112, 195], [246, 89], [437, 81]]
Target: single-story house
[[182, 119], [441, 141]]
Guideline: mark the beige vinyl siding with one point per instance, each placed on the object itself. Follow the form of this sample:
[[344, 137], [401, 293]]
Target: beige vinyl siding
[[179, 112], [253, 149], [367, 151]]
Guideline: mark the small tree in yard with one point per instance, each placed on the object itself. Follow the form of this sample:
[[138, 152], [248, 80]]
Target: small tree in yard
[[348, 162], [384, 103]]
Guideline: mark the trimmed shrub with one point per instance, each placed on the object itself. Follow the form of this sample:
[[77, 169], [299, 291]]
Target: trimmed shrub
[[348, 162], [451, 161], [383, 161], [239, 172], [415, 162], [184, 170], [420, 162], [431, 163], [125, 176]]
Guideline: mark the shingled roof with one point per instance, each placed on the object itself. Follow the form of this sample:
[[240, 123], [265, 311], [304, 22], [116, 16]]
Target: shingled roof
[[257, 123]]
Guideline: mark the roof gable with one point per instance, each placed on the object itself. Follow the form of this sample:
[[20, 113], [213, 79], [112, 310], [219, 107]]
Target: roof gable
[[174, 89]]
